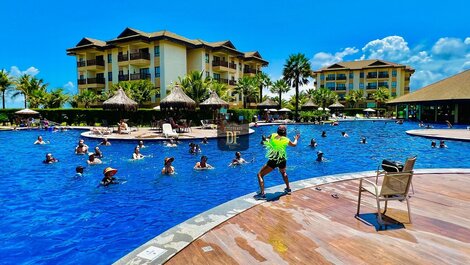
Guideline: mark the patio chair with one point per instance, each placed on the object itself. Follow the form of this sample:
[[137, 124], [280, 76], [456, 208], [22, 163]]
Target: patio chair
[[206, 125], [395, 186], [168, 131], [407, 167]]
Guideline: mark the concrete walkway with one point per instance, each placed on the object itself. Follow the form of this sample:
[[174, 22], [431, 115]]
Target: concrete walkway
[[448, 134]]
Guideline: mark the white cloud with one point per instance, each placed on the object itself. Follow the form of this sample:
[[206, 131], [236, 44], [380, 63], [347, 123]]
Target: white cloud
[[393, 48], [467, 41], [15, 71], [322, 59], [449, 48], [69, 87]]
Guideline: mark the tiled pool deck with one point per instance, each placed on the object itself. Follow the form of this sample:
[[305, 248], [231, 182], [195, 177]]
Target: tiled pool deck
[[312, 227]]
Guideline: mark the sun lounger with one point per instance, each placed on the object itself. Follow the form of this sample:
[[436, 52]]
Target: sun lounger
[[206, 125]]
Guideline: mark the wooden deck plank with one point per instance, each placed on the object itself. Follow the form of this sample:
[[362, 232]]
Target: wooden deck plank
[[312, 227]]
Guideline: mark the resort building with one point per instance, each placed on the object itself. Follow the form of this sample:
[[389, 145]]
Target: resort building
[[160, 57], [367, 75], [448, 99]]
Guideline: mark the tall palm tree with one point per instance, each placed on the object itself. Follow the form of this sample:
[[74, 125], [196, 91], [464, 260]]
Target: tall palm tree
[[140, 91], [279, 87], [57, 98], [221, 90], [23, 88], [324, 97], [381, 95], [6, 83], [87, 97], [37, 92], [195, 85], [296, 72], [263, 81], [246, 86]]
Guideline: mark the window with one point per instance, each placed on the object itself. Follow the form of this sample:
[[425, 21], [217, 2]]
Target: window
[[157, 71], [361, 74], [383, 84], [394, 84], [157, 51], [330, 85], [217, 76], [361, 85], [341, 87], [82, 77], [394, 73], [207, 58], [110, 76], [322, 76], [350, 86], [207, 74], [351, 75], [110, 58], [330, 77], [341, 77], [240, 66], [371, 85]]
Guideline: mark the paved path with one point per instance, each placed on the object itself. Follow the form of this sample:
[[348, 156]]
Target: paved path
[[450, 134]]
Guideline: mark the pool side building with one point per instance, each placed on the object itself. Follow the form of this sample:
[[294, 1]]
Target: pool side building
[[160, 57], [366, 75], [447, 99]]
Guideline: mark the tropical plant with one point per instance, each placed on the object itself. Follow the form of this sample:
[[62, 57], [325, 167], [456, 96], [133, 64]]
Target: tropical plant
[[263, 81], [73, 101], [221, 89], [301, 99], [296, 72], [56, 98], [195, 85], [279, 87], [246, 86], [23, 87], [381, 95], [324, 97], [6, 83], [140, 91], [355, 97], [87, 97]]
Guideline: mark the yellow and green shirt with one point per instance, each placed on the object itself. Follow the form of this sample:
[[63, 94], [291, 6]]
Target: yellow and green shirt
[[276, 147]]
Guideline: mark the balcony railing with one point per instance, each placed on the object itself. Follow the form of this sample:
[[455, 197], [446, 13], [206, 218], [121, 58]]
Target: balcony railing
[[383, 75], [372, 75], [341, 88], [371, 87], [232, 82], [140, 76], [220, 63], [341, 77], [81, 64], [140, 55], [96, 80], [81, 81], [250, 71], [223, 81], [94, 62], [329, 78], [232, 65], [123, 57], [123, 77]]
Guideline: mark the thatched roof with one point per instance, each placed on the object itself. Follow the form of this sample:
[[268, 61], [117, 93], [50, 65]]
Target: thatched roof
[[120, 101], [214, 101], [268, 103], [363, 64], [309, 105], [177, 99], [456, 87], [27, 112], [336, 105]]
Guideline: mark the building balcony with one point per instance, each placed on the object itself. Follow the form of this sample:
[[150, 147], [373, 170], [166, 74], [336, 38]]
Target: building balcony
[[384, 76], [81, 64], [124, 57], [250, 71], [140, 58], [123, 77], [223, 66], [96, 80], [232, 82], [94, 64], [232, 66], [330, 78], [341, 88], [341, 78], [372, 76], [371, 87], [81, 82], [140, 76], [220, 63]]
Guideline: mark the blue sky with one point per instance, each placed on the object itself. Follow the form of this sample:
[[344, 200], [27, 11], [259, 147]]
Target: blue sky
[[431, 36]]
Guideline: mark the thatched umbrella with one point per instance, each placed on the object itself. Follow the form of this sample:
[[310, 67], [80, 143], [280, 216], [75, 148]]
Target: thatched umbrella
[[121, 102], [26, 112], [309, 105], [177, 99], [214, 102], [267, 104], [336, 105]]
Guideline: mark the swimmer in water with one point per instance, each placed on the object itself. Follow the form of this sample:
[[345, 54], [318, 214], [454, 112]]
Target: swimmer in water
[[203, 164], [238, 160], [433, 144], [205, 141], [313, 143], [171, 143], [79, 172], [141, 144], [442, 144], [168, 169], [344, 134], [40, 140], [92, 160], [50, 159], [81, 148], [105, 142], [109, 178], [323, 134], [137, 155], [98, 152], [320, 156], [363, 140]]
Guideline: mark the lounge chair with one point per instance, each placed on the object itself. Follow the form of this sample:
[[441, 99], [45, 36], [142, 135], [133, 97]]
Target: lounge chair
[[206, 125], [168, 131], [395, 186]]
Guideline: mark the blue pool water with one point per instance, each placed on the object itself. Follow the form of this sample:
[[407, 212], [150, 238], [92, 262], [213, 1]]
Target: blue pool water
[[49, 217]]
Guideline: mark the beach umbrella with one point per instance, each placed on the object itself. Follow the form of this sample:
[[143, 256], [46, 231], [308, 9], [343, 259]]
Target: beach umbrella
[[214, 102], [326, 109], [272, 110], [120, 102], [284, 110], [369, 110], [267, 104], [157, 108], [177, 99], [309, 105], [26, 112], [336, 105]]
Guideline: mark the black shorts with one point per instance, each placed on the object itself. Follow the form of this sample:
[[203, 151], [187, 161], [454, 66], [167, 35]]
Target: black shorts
[[281, 164]]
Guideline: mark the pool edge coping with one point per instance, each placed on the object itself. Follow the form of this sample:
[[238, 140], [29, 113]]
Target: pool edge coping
[[173, 240]]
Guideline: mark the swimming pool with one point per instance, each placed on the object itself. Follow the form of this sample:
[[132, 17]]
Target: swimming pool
[[48, 216]]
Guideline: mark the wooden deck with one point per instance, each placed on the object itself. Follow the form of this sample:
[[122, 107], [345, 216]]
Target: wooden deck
[[312, 227]]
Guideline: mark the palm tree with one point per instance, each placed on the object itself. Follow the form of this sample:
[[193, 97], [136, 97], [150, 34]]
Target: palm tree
[[246, 86], [381, 95], [263, 81], [87, 97], [195, 85], [351, 98], [140, 91], [23, 88], [221, 90], [5, 83], [324, 97], [279, 87], [37, 92], [57, 98], [296, 72]]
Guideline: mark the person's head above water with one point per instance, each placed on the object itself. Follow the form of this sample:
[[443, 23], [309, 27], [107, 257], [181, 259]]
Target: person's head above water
[[282, 130], [238, 154], [168, 161], [204, 159], [79, 169], [109, 172]]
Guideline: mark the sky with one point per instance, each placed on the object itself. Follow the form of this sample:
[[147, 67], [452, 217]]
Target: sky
[[433, 37]]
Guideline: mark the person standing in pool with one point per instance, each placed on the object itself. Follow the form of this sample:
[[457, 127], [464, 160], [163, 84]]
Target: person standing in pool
[[203, 164], [109, 178], [276, 147], [40, 140], [168, 168]]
